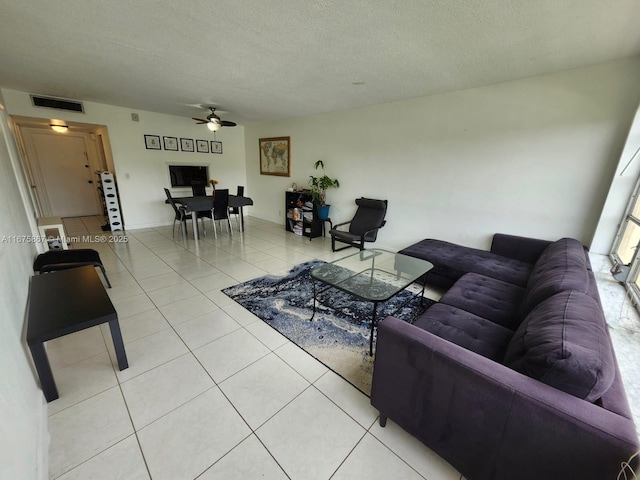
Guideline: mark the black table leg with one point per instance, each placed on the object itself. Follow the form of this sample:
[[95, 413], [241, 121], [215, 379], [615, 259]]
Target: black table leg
[[43, 367], [373, 326], [118, 344], [313, 282]]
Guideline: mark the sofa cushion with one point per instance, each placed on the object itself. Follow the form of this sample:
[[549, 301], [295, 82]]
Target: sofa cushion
[[466, 330], [563, 342], [561, 266], [453, 261], [487, 297]]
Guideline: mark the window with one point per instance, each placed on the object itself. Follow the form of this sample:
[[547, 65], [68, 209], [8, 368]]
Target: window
[[625, 254]]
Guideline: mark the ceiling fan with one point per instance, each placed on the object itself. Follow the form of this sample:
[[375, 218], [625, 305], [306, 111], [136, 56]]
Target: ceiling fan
[[213, 121]]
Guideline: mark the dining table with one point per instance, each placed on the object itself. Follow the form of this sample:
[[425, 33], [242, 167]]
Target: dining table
[[195, 204]]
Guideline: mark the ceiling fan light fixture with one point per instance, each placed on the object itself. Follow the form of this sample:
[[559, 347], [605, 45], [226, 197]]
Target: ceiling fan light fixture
[[59, 128], [213, 121]]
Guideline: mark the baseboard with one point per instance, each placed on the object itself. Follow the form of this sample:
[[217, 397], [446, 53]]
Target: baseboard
[[42, 439]]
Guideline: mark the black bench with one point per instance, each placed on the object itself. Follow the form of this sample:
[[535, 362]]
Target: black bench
[[65, 302]]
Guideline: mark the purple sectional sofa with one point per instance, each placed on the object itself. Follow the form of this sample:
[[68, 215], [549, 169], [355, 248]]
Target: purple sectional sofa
[[512, 373]]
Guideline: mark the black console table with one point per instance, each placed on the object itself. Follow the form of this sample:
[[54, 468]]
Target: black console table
[[65, 302]]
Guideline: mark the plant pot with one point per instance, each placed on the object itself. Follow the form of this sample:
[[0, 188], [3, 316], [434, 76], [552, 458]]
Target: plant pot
[[323, 211]]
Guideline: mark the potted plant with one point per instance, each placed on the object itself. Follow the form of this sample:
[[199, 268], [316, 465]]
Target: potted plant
[[319, 186]]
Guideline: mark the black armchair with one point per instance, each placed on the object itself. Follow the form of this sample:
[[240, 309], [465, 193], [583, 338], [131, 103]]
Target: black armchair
[[363, 227]]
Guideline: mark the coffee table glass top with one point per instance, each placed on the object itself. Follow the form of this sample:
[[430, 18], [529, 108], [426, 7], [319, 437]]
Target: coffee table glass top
[[373, 274]]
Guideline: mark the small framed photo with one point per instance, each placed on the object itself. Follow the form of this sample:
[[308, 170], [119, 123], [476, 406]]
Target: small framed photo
[[186, 144], [152, 142], [170, 143], [274, 156], [216, 147], [202, 146]]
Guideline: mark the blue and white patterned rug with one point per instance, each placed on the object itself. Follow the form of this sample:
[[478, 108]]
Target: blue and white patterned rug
[[338, 336]]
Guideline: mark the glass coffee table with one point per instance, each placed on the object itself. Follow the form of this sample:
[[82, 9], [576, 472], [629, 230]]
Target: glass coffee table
[[372, 275]]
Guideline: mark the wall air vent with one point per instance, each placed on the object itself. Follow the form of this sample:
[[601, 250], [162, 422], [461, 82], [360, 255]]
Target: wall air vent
[[57, 103]]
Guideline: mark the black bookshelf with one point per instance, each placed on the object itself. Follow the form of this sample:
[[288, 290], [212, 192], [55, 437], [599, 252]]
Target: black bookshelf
[[301, 215]]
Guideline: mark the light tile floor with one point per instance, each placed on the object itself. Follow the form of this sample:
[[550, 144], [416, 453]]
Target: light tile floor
[[212, 392]]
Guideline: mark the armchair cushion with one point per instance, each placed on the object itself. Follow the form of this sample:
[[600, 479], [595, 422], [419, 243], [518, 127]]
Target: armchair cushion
[[345, 236], [368, 218], [364, 226]]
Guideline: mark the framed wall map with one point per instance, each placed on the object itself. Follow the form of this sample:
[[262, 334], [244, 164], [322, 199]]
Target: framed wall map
[[274, 156]]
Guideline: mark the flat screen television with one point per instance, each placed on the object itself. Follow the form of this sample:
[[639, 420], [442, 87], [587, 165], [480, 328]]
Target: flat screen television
[[187, 175]]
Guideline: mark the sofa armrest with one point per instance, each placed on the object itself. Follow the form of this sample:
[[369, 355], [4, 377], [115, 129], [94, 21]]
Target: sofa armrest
[[524, 249], [487, 420]]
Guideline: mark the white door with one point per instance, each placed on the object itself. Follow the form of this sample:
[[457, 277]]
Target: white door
[[66, 183]]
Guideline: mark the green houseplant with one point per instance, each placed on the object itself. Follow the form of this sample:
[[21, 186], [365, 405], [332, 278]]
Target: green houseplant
[[319, 186]]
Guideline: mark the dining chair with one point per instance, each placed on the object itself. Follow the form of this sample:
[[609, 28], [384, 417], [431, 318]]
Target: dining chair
[[236, 210], [198, 189], [220, 210], [180, 214]]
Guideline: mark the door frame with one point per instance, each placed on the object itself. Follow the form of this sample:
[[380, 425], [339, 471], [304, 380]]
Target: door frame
[[32, 164]]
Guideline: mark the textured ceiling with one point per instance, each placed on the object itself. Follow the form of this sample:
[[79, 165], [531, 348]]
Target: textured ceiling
[[271, 59]]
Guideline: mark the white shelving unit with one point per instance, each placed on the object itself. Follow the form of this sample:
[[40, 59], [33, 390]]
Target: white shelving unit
[[111, 201]]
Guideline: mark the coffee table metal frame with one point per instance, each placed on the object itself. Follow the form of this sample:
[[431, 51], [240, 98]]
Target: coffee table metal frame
[[373, 275]]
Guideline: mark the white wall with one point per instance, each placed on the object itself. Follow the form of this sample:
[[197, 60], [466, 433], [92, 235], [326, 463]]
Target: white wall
[[142, 174], [531, 157], [23, 415]]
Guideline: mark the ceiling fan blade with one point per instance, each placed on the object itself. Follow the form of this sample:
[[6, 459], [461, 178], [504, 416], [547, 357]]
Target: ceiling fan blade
[[227, 123], [200, 120]]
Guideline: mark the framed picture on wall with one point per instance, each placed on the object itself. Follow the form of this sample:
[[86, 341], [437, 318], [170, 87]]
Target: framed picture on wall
[[216, 147], [152, 142], [186, 144], [274, 156], [170, 143], [202, 146]]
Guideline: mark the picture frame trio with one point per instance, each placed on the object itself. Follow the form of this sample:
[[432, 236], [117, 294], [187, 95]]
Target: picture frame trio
[[274, 152], [152, 142]]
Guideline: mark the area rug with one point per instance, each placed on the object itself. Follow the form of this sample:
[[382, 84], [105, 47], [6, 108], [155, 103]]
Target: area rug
[[338, 336]]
